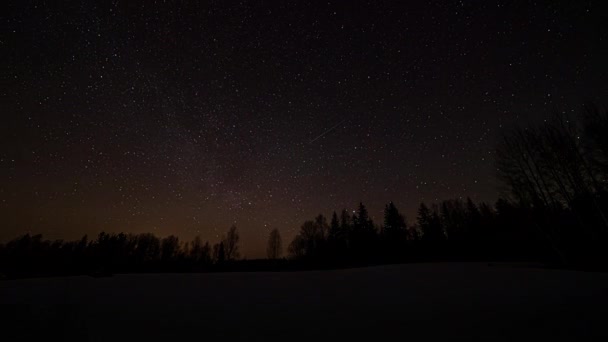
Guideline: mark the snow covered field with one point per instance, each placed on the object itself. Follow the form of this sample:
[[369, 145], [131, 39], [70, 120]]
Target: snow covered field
[[449, 301]]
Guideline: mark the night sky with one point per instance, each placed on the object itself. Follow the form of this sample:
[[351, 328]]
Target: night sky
[[177, 118]]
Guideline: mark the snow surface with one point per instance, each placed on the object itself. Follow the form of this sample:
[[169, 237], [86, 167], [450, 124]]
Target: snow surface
[[453, 301]]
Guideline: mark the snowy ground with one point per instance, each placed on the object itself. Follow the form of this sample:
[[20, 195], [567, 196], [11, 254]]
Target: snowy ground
[[456, 301]]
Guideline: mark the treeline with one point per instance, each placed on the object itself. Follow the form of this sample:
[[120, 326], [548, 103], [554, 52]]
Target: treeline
[[554, 208], [116, 253], [449, 230]]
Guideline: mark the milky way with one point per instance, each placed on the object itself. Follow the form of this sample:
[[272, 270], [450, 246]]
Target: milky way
[[183, 119]]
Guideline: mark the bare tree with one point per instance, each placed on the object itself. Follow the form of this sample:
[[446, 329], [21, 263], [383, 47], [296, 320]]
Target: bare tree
[[312, 238], [548, 164], [230, 242], [275, 246], [219, 253], [549, 167], [199, 252], [169, 248], [297, 247]]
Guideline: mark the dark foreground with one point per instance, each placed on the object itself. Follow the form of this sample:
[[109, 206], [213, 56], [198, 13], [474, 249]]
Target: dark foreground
[[453, 301]]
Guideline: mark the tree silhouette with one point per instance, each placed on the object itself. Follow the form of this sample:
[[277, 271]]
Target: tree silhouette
[[363, 234], [453, 218], [337, 240], [206, 253], [197, 250], [430, 224], [594, 126], [275, 247], [394, 230], [473, 220], [219, 252], [334, 228], [394, 223], [147, 248], [230, 243], [310, 241], [298, 247], [345, 228], [169, 248]]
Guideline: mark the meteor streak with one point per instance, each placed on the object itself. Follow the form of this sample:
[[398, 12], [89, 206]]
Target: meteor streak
[[327, 131]]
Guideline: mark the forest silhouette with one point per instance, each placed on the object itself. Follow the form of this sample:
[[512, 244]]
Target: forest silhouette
[[553, 209]]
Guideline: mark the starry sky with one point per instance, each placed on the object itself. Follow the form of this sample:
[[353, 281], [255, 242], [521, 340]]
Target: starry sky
[[186, 117]]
